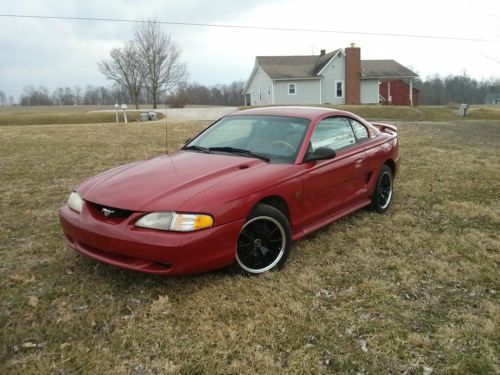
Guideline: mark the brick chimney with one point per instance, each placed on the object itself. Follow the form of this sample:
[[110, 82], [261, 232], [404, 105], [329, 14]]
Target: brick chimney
[[352, 74], [322, 53]]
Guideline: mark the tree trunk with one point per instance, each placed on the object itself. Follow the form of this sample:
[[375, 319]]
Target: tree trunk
[[153, 94]]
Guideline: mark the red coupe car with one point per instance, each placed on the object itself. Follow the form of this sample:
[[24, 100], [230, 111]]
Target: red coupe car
[[237, 194]]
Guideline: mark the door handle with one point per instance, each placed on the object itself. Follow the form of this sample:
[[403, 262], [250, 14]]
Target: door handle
[[358, 162]]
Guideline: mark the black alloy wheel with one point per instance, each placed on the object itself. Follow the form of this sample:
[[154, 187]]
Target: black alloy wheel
[[264, 242], [382, 196]]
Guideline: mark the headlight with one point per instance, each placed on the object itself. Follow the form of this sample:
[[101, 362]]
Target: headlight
[[175, 221], [75, 202]]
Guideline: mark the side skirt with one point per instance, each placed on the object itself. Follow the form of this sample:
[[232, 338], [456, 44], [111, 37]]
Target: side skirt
[[327, 220]]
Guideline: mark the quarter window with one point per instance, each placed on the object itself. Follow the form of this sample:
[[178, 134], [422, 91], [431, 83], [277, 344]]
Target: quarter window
[[334, 132], [292, 89], [359, 130]]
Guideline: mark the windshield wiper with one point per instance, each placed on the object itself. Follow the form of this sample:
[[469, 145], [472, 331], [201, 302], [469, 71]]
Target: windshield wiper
[[239, 151], [196, 148]]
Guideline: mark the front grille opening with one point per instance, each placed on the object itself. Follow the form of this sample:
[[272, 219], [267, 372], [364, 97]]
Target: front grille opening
[[113, 212], [164, 264]]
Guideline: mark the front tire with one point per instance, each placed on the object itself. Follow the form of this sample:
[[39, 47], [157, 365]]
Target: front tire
[[264, 242], [382, 195]]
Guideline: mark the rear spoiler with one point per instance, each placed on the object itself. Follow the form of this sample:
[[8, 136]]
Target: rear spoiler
[[386, 128]]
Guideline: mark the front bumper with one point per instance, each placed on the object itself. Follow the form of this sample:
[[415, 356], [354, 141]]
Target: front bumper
[[146, 250]]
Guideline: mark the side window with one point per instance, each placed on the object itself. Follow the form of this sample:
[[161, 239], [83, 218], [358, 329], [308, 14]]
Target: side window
[[359, 130], [334, 133], [292, 89]]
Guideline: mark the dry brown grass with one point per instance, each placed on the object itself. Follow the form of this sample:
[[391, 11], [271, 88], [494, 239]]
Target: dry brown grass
[[66, 114], [413, 289]]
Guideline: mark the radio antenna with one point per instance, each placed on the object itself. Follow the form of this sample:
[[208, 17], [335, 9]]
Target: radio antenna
[[166, 127]]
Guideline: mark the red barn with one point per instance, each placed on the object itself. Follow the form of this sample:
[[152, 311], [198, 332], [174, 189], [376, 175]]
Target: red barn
[[397, 93]]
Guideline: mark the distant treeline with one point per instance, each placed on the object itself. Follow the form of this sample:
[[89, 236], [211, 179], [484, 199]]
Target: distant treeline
[[91, 95], [438, 90], [435, 90], [193, 93]]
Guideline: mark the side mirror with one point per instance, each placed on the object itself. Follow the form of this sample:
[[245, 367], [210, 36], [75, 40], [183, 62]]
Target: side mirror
[[321, 153]]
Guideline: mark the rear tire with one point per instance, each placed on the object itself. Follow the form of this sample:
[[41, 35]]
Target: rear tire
[[264, 242], [382, 196]]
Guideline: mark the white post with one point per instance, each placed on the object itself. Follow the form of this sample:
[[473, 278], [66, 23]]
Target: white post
[[116, 113], [124, 108], [389, 99], [272, 92], [411, 92], [320, 81]]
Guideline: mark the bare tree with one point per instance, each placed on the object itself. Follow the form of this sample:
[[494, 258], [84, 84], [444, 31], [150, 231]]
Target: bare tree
[[3, 98], [77, 90], [161, 59], [125, 68], [63, 96]]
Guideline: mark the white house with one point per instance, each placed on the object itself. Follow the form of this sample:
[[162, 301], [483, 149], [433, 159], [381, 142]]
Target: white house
[[338, 77]]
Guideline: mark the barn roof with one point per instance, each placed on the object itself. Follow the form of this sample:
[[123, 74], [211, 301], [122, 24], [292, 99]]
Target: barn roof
[[492, 96], [385, 69]]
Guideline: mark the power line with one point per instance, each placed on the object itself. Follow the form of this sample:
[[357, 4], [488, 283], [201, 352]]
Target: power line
[[248, 27]]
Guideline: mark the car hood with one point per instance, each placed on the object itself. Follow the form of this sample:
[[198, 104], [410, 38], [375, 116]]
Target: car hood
[[166, 182]]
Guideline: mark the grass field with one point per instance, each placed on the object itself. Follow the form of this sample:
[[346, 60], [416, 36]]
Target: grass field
[[412, 291], [52, 115]]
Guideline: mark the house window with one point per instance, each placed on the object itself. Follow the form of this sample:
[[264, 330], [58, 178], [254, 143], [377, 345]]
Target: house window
[[339, 89], [260, 94], [292, 89]]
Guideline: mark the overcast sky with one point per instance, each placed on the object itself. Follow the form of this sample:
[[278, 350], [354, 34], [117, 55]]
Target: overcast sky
[[65, 53]]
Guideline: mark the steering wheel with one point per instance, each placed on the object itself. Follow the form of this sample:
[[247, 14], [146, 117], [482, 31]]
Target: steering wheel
[[283, 145]]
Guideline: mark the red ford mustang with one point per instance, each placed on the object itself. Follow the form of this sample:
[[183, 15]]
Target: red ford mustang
[[237, 194]]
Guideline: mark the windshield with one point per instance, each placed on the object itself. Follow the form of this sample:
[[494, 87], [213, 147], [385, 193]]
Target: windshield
[[275, 138]]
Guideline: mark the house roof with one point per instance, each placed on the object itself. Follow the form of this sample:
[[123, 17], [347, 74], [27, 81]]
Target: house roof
[[493, 95], [284, 67], [310, 67], [385, 69]]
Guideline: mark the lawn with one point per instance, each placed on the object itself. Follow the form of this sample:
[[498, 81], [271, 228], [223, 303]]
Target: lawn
[[412, 291], [86, 114], [66, 114]]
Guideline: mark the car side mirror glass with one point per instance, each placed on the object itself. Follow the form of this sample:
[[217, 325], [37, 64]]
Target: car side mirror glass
[[321, 153]]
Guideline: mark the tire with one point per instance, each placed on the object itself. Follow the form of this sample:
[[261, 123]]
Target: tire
[[264, 242], [382, 196]]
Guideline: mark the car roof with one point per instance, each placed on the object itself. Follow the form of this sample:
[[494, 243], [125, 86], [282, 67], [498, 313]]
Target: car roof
[[310, 113]]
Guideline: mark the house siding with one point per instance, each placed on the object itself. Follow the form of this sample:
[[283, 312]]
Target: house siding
[[262, 82], [307, 92], [369, 91], [334, 71]]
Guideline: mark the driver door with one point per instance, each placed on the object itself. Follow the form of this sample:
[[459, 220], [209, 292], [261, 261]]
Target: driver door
[[330, 186]]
